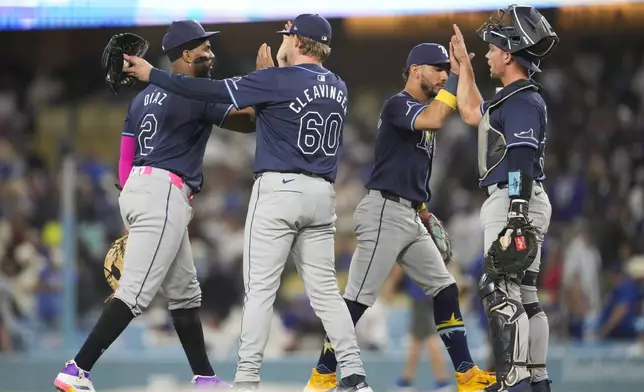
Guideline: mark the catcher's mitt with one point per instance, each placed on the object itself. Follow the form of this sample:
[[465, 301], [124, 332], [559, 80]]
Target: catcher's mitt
[[113, 62], [439, 235], [513, 251], [114, 262]]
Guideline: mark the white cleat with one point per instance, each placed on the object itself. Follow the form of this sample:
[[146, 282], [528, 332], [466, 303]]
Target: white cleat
[[73, 379]]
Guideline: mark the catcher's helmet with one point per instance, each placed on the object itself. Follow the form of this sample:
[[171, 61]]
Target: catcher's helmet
[[522, 31]]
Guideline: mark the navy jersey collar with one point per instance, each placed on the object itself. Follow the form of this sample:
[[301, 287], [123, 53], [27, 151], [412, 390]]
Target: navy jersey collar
[[312, 68], [513, 87]]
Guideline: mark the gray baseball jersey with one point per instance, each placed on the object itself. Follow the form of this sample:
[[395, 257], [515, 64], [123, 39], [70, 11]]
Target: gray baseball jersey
[[388, 228], [169, 133]]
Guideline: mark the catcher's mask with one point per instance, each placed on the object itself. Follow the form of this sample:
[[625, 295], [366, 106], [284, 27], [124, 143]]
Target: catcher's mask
[[523, 32]]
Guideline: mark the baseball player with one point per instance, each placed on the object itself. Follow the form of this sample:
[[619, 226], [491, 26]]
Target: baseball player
[[387, 222], [512, 140], [160, 169], [301, 107]]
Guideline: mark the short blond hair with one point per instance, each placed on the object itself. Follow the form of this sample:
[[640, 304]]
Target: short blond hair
[[309, 47]]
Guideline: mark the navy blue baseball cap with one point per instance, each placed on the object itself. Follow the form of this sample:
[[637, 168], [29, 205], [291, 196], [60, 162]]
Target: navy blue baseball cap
[[312, 26], [182, 31], [428, 54]]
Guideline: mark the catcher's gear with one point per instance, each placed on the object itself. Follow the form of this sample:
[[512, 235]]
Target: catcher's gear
[[113, 62], [506, 316], [114, 263], [522, 31], [439, 235]]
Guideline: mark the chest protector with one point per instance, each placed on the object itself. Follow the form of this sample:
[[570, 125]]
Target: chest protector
[[491, 141]]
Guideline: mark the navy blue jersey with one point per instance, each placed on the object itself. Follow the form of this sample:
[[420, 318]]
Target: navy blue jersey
[[300, 111], [515, 116], [171, 132], [403, 156]]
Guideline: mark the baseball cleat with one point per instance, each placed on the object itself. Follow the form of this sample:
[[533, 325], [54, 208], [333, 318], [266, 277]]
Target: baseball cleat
[[354, 383], [541, 386], [321, 382], [73, 379], [404, 386], [246, 386], [474, 380], [522, 386], [209, 382]]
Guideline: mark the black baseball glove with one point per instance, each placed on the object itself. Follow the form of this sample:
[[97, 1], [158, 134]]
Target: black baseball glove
[[516, 247], [113, 62]]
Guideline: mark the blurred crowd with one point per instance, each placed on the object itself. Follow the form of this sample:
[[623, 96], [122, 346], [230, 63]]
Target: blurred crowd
[[592, 279]]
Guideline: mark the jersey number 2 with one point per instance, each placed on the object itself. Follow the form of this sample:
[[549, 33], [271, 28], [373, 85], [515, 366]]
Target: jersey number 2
[[318, 133], [146, 132]]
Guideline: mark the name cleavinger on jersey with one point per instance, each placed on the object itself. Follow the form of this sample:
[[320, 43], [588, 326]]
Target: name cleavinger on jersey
[[319, 91]]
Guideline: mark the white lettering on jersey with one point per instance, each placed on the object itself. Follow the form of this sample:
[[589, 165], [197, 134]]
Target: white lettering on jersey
[[156, 97], [320, 91]]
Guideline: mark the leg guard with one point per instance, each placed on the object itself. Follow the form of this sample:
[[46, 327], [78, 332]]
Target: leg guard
[[506, 320], [539, 329]]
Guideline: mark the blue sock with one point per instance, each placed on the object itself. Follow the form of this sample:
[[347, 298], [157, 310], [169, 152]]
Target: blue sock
[[402, 383], [441, 384], [451, 328], [327, 362]]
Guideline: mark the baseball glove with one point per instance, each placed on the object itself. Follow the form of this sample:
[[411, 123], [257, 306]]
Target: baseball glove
[[439, 235], [114, 263], [113, 62], [513, 251]]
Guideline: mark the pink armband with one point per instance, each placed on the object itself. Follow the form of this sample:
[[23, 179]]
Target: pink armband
[[126, 158]]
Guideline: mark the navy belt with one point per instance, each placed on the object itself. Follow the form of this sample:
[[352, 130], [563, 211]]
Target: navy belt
[[304, 173]]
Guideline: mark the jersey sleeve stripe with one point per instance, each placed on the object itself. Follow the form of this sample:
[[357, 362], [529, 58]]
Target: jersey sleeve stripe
[[413, 119], [232, 96], [223, 118], [520, 144], [482, 109], [128, 134]]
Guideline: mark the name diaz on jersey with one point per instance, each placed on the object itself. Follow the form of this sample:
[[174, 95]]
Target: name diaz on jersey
[[154, 97]]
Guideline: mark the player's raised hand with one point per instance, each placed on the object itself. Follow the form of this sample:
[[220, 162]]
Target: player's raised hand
[[264, 57], [454, 65], [282, 60], [458, 48], [137, 67]]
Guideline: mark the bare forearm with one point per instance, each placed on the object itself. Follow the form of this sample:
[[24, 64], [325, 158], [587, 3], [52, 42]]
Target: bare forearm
[[468, 96], [435, 115]]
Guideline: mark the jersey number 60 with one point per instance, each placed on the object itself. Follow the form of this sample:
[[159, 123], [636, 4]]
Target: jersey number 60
[[318, 133]]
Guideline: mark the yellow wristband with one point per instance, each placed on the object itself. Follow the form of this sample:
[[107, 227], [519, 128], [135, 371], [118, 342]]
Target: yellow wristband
[[422, 207], [447, 98]]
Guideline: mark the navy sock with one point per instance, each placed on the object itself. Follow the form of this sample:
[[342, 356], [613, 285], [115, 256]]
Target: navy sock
[[115, 318], [187, 323], [327, 362], [451, 328]]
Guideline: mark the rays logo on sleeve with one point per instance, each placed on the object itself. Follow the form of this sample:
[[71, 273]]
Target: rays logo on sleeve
[[529, 134]]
